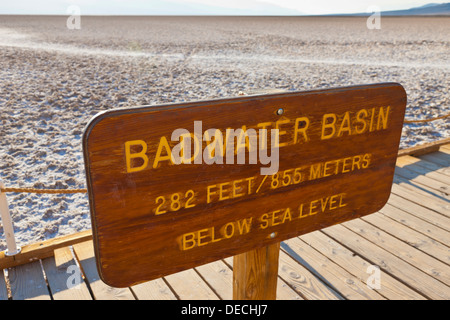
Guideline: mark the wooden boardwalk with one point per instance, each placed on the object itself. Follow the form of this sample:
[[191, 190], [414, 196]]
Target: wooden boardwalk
[[408, 240]]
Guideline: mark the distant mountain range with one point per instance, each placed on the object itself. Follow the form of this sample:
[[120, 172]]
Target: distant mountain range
[[176, 7], [263, 8], [431, 9]]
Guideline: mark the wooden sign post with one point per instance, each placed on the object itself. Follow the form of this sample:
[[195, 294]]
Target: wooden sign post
[[255, 274], [175, 186]]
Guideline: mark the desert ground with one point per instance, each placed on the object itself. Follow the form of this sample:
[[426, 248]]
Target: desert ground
[[54, 80]]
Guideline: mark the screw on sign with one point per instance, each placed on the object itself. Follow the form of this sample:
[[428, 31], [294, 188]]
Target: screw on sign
[[153, 215]]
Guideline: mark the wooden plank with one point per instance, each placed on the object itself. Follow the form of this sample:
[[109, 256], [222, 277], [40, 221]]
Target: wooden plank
[[424, 148], [303, 281], [284, 291], [427, 228], [412, 238], [188, 285], [3, 289], [358, 266], [333, 143], [41, 250], [153, 290], [219, 277], [349, 286], [422, 189], [64, 277], [445, 148], [255, 274], [388, 262], [440, 158], [421, 212], [405, 251], [430, 166], [28, 283], [415, 167], [422, 198], [84, 253], [420, 179]]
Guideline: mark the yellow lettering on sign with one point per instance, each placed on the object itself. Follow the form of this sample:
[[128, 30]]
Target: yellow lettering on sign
[[223, 191], [316, 171], [188, 241], [175, 202], [202, 234], [227, 230], [210, 192], [313, 207], [308, 209], [326, 169], [383, 118], [244, 225], [275, 218], [229, 190], [322, 205], [206, 236], [302, 130], [163, 144], [210, 235], [236, 189], [250, 182], [333, 125], [326, 124], [281, 132], [264, 219], [345, 125], [140, 155], [344, 165], [361, 124], [356, 162], [286, 216], [366, 161], [348, 123]]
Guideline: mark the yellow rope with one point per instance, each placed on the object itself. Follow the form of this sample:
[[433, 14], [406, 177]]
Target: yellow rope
[[32, 190], [427, 120]]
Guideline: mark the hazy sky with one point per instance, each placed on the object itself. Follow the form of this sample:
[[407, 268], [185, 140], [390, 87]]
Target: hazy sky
[[113, 7]]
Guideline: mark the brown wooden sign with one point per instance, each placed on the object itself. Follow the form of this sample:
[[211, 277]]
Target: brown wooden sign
[[160, 204]]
